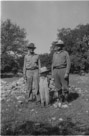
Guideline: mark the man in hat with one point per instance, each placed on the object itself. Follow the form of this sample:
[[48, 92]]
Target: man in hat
[[61, 69], [31, 71]]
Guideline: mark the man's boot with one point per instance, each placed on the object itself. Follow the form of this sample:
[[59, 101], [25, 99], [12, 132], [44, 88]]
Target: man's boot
[[66, 94], [60, 95]]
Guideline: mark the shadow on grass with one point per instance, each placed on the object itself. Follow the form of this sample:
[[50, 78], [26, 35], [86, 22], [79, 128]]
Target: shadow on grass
[[33, 128], [30, 128], [71, 97]]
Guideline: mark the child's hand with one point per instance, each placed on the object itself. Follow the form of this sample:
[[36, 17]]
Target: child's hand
[[66, 76], [52, 79]]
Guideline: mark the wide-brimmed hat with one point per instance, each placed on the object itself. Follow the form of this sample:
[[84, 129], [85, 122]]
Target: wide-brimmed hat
[[59, 42], [31, 45], [44, 70]]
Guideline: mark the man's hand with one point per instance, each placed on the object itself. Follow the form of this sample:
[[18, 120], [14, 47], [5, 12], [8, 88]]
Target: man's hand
[[24, 76], [66, 76], [52, 74], [39, 72]]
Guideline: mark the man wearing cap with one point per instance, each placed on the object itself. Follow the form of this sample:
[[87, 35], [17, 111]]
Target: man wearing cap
[[31, 70], [61, 69]]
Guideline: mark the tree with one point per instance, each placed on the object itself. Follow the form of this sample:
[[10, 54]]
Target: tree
[[13, 40], [46, 60], [77, 44]]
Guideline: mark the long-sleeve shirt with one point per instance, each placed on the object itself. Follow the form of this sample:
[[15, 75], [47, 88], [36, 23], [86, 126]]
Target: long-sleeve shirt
[[61, 60], [31, 62]]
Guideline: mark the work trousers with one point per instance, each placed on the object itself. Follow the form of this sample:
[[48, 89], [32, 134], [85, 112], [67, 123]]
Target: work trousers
[[32, 77], [61, 84]]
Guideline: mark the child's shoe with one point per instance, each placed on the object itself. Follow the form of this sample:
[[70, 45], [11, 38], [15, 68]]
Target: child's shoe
[[47, 105], [59, 104], [42, 105]]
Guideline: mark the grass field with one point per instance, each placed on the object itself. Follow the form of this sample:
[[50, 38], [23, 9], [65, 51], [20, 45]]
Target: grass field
[[30, 119]]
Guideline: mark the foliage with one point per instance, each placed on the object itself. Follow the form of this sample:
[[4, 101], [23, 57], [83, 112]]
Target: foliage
[[77, 44], [46, 60], [13, 42]]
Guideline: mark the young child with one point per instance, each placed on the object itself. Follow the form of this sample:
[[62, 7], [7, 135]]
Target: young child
[[44, 87]]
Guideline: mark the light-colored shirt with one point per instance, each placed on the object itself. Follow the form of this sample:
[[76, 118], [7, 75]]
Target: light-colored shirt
[[43, 84], [31, 62]]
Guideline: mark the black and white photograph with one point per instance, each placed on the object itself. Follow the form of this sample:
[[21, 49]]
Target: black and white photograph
[[44, 82]]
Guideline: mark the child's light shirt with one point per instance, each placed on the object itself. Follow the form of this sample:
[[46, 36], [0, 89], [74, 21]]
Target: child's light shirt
[[44, 82]]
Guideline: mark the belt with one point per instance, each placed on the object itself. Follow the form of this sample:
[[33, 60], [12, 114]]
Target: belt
[[31, 68], [59, 67]]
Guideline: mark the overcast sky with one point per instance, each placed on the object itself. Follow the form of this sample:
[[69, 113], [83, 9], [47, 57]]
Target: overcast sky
[[41, 19]]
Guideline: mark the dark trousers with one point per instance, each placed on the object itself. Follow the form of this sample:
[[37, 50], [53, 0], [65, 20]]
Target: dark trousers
[[61, 84]]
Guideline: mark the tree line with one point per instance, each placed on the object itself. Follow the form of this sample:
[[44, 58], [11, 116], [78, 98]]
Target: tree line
[[14, 42]]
